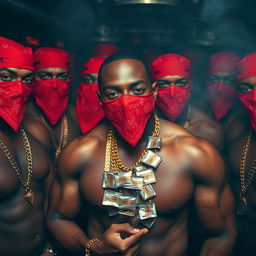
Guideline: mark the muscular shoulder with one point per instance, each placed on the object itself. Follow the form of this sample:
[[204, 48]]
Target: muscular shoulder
[[198, 155], [205, 127], [38, 131], [82, 150], [207, 164]]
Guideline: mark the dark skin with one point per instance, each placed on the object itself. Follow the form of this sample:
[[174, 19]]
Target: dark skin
[[36, 113], [191, 170], [239, 130], [200, 125], [22, 226]]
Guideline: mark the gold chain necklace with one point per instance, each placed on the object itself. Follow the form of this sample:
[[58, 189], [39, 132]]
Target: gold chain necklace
[[188, 118], [245, 180], [64, 136], [29, 196], [112, 146]]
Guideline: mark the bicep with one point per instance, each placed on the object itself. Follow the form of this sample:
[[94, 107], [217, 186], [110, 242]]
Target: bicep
[[209, 188]]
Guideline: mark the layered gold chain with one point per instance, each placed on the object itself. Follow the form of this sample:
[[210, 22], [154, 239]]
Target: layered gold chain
[[63, 137], [246, 179], [28, 154], [112, 158]]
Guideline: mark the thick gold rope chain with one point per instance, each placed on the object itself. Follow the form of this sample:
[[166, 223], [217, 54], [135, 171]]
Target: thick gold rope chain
[[245, 183], [112, 158], [64, 136], [28, 155]]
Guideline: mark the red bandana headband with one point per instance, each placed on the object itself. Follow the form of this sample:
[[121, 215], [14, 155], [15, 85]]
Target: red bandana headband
[[15, 55], [170, 65], [93, 65], [48, 57], [246, 66], [223, 62]]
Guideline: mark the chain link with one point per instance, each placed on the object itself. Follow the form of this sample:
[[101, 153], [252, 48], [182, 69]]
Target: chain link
[[246, 180], [63, 137], [28, 155], [112, 158]]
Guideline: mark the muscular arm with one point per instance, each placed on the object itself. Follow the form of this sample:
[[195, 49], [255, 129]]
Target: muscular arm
[[214, 202], [66, 205]]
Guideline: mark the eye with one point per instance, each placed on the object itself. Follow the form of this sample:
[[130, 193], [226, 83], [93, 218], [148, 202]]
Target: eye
[[6, 77], [213, 80], [88, 80], [112, 94], [243, 88], [182, 83], [43, 76], [63, 76], [138, 91], [28, 80], [162, 84]]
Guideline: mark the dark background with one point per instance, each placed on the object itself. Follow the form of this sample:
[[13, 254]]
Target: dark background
[[194, 28]]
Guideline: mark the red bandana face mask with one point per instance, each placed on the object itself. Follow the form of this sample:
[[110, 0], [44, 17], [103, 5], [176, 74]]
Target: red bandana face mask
[[221, 98], [12, 103], [88, 108], [172, 100], [249, 102], [129, 114], [52, 97]]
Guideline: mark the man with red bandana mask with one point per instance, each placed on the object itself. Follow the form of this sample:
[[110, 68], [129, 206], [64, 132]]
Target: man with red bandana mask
[[221, 82], [172, 75], [51, 94], [133, 176], [241, 155], [25, 163], [88, 109]]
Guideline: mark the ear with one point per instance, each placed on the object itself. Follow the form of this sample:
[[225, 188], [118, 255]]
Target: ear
[[154, 89]]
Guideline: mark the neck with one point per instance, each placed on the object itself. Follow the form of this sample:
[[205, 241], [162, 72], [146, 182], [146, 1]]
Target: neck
[[183, 115], [38, 111], [181, 119], [6, 130]]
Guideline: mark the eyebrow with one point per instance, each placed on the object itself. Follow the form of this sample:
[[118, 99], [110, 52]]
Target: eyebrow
[[165, 81], [244, 83], [137, 83], [8, 70], [29, 74], [44, 72], [116, 87]]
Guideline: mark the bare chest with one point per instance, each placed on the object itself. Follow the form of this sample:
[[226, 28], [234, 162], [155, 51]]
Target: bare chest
[[11, 176], [173, 186]]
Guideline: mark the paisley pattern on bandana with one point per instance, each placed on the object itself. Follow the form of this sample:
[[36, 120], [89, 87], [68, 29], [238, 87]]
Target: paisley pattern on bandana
[[129, 114], [52, 97]]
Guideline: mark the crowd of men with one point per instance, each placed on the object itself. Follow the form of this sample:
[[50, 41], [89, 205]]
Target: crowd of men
[[134, 167]]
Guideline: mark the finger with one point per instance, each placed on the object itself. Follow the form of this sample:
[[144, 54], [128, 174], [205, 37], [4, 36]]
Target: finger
[[125, 227], [129, 241]]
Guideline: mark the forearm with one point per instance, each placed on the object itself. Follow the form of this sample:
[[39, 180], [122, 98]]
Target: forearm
[[222, 243], [68, 235]]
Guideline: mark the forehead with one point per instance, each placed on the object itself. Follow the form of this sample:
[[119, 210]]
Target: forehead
[[19, 71], [221, 74], [124, 70], [52, 70], [173, 78], [249, 79]]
